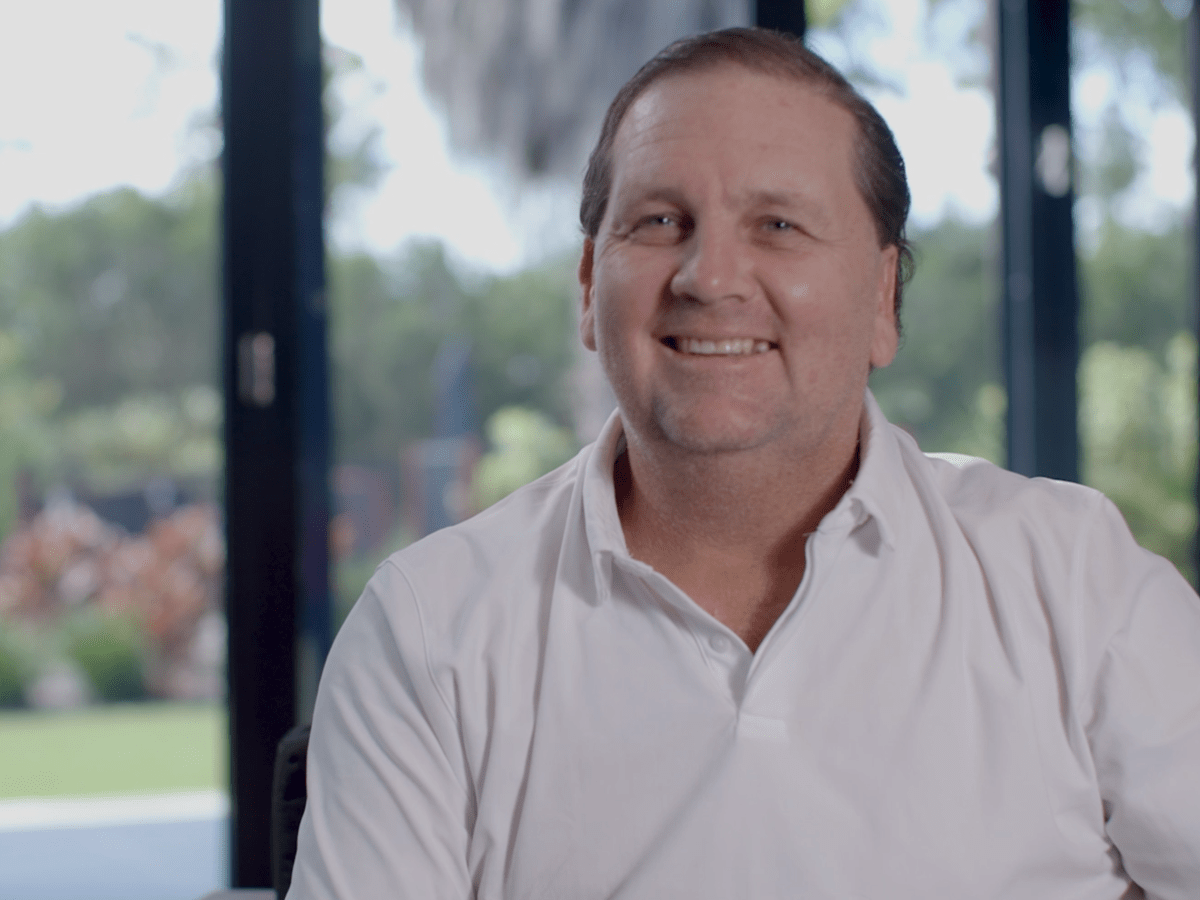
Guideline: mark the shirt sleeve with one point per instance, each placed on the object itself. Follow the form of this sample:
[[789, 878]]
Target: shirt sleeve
[[388, 807], [1144, 712]]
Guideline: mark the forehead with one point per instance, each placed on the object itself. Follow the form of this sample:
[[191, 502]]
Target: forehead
[[749, 125]]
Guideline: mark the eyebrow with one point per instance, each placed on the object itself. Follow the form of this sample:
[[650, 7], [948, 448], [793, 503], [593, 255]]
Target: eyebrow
[[790, 202], [786, 199], [657, 194]]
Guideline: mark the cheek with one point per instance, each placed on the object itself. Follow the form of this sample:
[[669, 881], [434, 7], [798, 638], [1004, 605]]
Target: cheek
[[832, 317], [623, 305], [608, 326]]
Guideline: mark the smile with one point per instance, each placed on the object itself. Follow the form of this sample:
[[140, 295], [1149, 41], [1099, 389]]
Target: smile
[[720, 347]]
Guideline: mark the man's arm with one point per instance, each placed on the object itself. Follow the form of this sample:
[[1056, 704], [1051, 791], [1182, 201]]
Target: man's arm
[[388, 807], [1143, 716]]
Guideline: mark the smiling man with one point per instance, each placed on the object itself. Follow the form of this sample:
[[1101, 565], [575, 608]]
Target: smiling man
[[737, 293], [753, 642]]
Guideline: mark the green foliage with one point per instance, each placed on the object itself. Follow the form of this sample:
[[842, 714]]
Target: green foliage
[[526, 445], [108, 317], [16, 668], [524, 338], [1116, 165], [1134, 287], [111, 650], [384, 334], [27, 442], [354, 160], [111, 447], [942, 386], [1134, 53], [1132, 33], [824, 13], [1138, 431], [388, 322], [117, 295]]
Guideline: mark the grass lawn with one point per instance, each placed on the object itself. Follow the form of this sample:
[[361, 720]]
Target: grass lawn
[[125, 748]]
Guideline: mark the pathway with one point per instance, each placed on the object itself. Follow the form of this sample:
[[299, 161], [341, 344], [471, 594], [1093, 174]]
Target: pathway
[[169, 847]]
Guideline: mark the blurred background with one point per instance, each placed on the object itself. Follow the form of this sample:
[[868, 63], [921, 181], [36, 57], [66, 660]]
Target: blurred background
[[456, 135]]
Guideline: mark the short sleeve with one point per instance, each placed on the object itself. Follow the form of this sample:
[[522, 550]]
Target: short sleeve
[[388, 809], [1144, 722]]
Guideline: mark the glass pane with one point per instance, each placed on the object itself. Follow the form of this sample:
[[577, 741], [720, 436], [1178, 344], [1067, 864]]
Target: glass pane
[[1134, 191], [112, 720], [456, 149], [927, 67]]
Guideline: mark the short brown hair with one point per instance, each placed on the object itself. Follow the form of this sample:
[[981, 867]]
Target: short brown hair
[[879, 168]]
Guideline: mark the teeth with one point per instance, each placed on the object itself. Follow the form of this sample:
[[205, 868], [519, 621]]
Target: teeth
[[723, 347]]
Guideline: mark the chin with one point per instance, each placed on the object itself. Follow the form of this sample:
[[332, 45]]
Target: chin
[[712, 434]]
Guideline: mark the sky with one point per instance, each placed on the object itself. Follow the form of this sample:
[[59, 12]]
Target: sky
[[92, 101], [124, 93]]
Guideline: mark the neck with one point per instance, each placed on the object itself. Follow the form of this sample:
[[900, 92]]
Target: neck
[[730, 499], [729, 529]]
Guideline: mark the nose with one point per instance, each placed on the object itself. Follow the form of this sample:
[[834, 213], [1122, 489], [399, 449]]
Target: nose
[[716, 264]]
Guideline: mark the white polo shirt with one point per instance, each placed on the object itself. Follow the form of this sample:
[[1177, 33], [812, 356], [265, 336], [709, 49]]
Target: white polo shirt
[[983, 688]]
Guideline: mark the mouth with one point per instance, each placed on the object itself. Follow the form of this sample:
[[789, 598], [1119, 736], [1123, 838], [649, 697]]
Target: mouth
[[739, 346]]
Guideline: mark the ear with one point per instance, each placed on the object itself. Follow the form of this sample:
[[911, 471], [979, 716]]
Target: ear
[[587, 318], [886, 337]]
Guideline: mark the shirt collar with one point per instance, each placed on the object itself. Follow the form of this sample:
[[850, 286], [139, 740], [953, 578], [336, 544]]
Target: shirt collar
[[601, 521], [877, 491]]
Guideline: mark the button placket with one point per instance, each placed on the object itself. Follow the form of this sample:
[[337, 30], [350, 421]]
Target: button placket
[[724, 656]]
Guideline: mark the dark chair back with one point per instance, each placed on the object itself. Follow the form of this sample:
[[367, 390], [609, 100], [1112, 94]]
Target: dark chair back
[[289, 793]]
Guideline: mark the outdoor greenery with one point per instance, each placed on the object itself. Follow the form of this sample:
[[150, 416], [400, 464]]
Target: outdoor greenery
[[108, 343], [115, 749], [109, 349], [16, 668], [525, 444], [389, 318], [944, 385], [110, 649]]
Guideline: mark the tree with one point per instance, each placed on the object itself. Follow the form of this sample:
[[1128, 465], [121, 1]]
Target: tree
[[943, 384], [1138, 429], [27, 445], [117, 295], [389, 319]]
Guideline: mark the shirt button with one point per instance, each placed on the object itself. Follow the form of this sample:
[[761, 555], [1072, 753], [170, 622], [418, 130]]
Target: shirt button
[[719, 643]]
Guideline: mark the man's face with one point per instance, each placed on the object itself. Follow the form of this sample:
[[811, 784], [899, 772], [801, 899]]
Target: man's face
[[736, 291]]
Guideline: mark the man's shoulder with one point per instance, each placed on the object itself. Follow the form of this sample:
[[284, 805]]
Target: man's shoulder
[[1054, 533], [1050, 551], [974, 491], [516, 524], [1006, 515], [979, 490], [504, 549], [455, 595]]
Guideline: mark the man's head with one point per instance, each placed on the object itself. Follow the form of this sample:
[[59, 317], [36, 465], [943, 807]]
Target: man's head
[[878, 166], [736, 289]]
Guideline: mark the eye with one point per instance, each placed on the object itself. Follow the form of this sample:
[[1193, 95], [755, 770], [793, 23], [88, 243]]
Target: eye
[[660, 228], [782, 233]]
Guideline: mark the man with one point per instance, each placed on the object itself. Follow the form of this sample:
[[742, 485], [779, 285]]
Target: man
[[753, 643]]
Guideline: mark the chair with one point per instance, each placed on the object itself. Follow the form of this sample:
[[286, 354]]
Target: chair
[[289, 793]]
